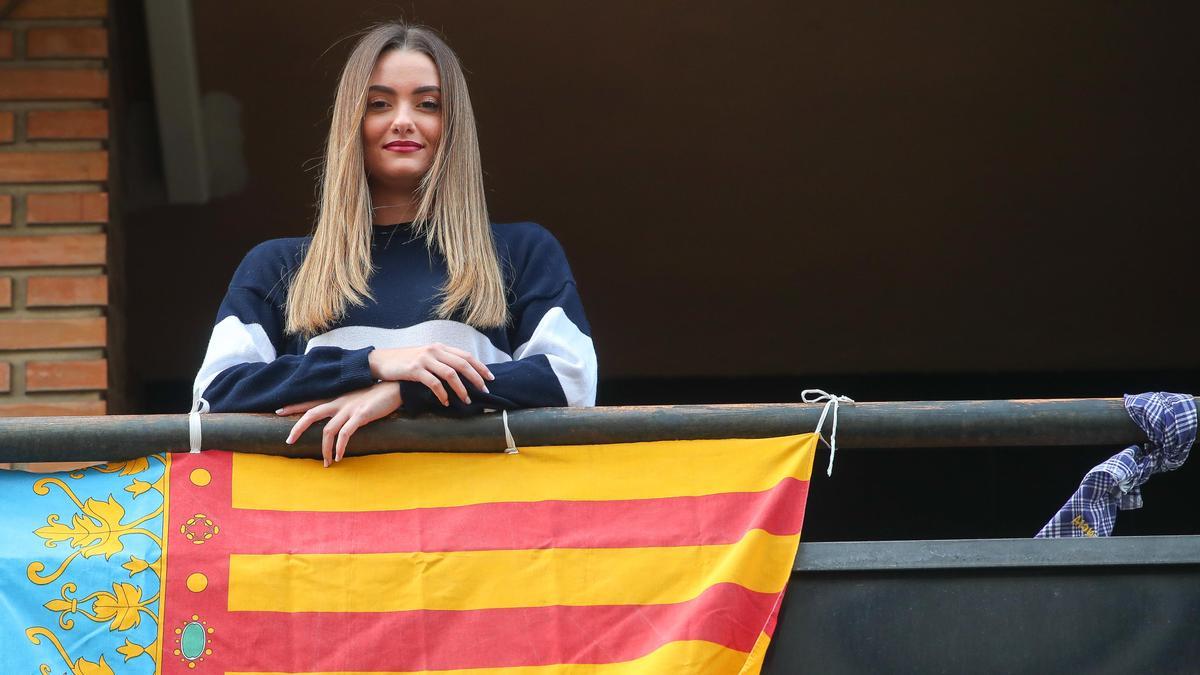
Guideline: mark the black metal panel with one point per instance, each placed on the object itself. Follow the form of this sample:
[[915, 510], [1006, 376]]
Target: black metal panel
[[994, 614], [850, 556]]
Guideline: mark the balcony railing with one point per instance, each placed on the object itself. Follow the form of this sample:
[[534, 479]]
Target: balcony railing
[[913, 424]]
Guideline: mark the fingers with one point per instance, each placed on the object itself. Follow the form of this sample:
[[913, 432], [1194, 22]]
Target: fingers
[[306, 420], [468, 371], [344, 434], [441, 368], [475, 363], [451, 377], [329, 436], [435, 385], [294, 408], [379, 401]]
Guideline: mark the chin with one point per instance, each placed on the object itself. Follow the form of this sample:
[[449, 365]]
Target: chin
[[400, 176]]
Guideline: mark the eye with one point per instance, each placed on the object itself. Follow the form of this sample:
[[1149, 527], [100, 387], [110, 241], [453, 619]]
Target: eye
[[430, 104], [377, 104]]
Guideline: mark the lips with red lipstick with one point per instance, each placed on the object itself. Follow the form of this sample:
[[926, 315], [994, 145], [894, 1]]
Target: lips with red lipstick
[[403, 146]]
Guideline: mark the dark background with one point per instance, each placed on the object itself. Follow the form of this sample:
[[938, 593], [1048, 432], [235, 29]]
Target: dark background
[[943, 201]]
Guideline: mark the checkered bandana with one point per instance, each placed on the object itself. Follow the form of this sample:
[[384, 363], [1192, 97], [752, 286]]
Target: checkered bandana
[[1169, 421]]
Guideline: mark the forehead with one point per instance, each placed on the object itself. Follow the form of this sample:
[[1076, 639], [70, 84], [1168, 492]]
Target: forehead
[[404, 70]]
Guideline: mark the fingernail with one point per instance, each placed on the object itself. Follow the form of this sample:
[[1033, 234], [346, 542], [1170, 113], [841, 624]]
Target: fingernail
[[467, 400], [326, 462], [289, 441], [491, 376], [279, 412], [485, 389]]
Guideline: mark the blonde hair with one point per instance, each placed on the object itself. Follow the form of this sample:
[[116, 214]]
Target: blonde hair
[[451, 212]]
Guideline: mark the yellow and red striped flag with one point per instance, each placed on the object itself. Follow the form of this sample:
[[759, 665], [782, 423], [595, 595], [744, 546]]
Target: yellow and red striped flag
[[659, 557]]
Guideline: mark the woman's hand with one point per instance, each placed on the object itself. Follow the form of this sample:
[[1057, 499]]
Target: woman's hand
[[430, 365], [346, 414]]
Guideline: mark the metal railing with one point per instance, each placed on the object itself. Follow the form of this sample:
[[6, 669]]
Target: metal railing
[[915, 424]]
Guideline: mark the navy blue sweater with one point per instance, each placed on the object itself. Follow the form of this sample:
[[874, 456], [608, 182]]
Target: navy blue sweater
[[544, 357]]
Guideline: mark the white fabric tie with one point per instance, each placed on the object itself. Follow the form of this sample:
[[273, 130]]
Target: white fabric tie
[[831, 400], [511, 447], [198, 408]]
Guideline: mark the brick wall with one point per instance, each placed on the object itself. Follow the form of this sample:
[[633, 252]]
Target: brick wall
[[54, 211]]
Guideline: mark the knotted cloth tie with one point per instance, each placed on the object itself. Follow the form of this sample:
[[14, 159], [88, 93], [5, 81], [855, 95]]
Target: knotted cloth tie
[[1169, 422], [198, 408], [511, 444], [831, 401]]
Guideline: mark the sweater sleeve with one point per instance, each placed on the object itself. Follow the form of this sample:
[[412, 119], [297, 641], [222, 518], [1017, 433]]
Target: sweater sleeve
[[554, 361], [243, 370]]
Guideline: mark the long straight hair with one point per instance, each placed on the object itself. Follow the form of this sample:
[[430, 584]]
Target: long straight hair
[[451, 212]]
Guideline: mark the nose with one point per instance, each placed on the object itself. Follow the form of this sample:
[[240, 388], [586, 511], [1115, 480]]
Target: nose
[[402, 122]]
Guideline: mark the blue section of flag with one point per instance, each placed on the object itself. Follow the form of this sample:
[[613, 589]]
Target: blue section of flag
[[79, 556]]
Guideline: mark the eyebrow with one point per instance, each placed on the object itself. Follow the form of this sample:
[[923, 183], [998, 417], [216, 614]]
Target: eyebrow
[[419, 90]]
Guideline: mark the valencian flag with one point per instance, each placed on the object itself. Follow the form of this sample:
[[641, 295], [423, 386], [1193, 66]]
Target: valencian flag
[[661, 557]]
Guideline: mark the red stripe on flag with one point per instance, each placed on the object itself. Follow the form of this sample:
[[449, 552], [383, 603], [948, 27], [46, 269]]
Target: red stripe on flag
[[199, 494], [773, 619], [725, 614], [666, 521]]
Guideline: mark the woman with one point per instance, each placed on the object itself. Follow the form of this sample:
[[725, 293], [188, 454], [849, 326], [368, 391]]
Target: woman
[[405, 297]]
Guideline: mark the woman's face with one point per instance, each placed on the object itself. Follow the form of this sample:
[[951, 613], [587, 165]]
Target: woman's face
[[402, 125]]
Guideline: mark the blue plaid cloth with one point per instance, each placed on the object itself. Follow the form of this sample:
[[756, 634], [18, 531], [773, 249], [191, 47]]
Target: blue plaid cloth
[[1169, 421]]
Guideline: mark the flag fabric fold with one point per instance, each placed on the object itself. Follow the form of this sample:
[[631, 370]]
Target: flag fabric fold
[[658, 557]]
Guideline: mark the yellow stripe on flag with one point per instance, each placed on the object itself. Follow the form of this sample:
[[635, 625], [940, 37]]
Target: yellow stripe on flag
[[690, 657], [758, 653], [580, 473], [465, 580]]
